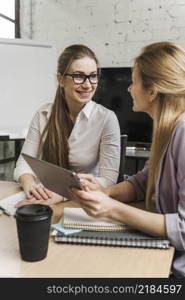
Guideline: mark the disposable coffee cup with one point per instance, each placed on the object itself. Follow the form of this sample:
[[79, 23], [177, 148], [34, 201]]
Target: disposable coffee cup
[[33, 228]]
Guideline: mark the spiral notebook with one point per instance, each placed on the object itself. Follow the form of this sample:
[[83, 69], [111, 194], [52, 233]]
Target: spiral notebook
[[77, 218], [127, 238]]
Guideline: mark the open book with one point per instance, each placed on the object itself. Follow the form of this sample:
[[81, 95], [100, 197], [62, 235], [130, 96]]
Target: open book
[[127, 238], [77, 218]]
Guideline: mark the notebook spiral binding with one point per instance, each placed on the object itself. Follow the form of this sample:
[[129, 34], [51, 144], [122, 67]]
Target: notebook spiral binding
[[158, 243], [89, 227]]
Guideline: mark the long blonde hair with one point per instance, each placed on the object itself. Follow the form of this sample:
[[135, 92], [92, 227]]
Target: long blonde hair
[[54, 139], [162, 67]]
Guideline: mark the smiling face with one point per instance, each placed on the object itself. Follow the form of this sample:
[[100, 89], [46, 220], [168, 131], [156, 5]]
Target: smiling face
[[79, 94], [142, 97]]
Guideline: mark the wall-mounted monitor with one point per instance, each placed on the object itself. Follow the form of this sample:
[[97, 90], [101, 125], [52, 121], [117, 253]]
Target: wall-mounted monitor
[[112, 93]]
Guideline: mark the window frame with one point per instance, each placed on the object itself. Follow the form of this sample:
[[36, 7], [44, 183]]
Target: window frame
[[16, 21]]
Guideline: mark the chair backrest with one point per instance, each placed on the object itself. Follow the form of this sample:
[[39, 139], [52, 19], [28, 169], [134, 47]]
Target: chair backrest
[[122, 157]]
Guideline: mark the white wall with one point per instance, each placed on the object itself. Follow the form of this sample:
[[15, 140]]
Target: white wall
[[115, 29]]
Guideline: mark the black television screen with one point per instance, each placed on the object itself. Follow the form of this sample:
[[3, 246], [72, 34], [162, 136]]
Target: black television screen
[[112, 93]]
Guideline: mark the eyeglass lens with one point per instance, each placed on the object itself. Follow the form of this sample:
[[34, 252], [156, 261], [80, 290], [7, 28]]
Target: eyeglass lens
[[81, 78]]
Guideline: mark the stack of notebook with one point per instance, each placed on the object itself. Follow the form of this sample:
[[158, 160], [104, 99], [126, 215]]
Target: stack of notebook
[[79, 228], [77, 218]]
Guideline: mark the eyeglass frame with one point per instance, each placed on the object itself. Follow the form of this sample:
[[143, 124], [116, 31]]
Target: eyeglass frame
[[85, 77]]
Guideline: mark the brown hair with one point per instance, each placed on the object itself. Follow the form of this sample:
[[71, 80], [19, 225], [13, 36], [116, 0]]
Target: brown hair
[[162, 67], [54, 139]]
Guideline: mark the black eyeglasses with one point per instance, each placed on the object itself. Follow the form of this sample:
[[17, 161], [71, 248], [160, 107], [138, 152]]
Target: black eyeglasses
[[81, 78]]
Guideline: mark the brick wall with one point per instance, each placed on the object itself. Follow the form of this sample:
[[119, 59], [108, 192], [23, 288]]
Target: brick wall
[[115, 29]]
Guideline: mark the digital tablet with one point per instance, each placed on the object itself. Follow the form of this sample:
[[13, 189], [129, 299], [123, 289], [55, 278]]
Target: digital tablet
[[55, 178]]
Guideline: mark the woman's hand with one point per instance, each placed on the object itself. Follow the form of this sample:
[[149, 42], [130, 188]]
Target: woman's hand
[[90, 183], [31, 201], [95, 203], [50, 201], [34, 189], [38, 191]]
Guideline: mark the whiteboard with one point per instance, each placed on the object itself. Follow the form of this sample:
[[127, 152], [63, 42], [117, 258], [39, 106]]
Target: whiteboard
[[27, 80]]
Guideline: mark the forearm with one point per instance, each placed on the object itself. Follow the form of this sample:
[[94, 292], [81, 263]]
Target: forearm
[[148, 222], [98, 204], [123, 191]]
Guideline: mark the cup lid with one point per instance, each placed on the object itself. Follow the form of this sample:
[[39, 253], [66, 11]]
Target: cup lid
[[33, 212]]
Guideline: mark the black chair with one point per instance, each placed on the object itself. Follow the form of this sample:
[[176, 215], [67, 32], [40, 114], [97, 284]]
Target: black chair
[[121, 176]]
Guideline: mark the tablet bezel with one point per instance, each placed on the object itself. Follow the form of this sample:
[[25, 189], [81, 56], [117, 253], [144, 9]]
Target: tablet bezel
[[53, 177]]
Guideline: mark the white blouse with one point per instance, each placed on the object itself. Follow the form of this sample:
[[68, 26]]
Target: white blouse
[[94, 143]]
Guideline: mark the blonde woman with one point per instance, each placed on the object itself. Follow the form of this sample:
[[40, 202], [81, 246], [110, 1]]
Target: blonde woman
[[158, 88], [73, 132]]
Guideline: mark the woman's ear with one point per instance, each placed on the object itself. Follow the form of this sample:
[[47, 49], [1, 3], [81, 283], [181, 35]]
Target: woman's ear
[[60, 79], [152, 94]]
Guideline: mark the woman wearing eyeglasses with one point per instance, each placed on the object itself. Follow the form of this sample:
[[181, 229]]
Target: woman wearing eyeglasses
[[74, 132]]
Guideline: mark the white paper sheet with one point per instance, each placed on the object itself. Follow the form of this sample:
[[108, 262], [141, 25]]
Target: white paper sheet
[[8, 204]]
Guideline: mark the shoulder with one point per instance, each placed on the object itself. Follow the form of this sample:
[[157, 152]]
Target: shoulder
[[42, 115], [179, 130], [104, 112], [106, 119], [45, 108], [178, 136], [44, 111]]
